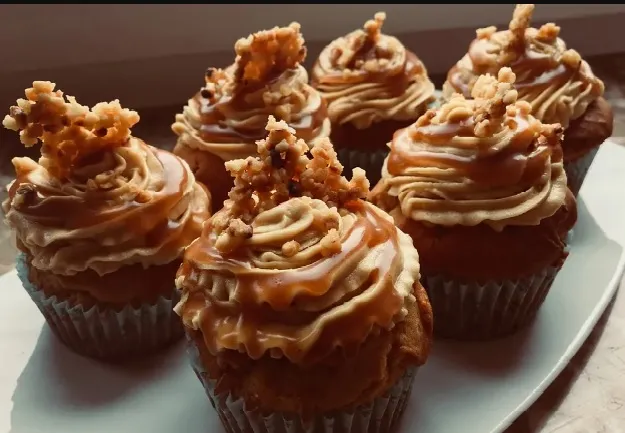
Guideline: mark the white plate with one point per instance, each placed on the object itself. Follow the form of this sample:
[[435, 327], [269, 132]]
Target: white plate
[[463, 388]]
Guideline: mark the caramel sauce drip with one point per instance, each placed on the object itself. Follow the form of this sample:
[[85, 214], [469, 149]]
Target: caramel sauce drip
[[214, 128], [263, 60], [139, 217], [537, 69], [259, 316], [397, 83], [514, 165]]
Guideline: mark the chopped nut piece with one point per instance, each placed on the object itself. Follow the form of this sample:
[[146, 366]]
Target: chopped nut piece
[[548, 33], [331, 243], [290, 248]]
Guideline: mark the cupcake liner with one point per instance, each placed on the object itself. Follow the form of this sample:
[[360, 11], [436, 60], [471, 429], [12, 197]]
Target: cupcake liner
[[577, 169], [105, 333], [380, 416], [371, 161], [482, 311]]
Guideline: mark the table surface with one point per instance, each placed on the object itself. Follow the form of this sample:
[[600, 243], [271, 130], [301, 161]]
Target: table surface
[[588, 396]]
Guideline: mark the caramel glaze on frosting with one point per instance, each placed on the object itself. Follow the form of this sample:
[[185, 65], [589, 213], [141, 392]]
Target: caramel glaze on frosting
[[296, 265], [486, 160], [229, 114], [367, 77], [98, 198], [557, 83]]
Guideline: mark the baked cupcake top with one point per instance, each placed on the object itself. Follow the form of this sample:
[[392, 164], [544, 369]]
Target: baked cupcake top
[[229, 114], [481, 161], [296, 264], [367, 76], [555, 80], [98, 198]]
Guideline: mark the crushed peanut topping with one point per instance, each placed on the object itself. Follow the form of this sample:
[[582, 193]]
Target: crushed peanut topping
[[217, 82], [493, 108], [515, 45], [520, 35], [68, 131], [361, 49], [284, 168], [548, 33], [266, 54]]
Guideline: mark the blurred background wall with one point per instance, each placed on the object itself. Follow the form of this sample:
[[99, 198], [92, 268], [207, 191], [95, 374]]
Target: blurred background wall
[[150, 55]]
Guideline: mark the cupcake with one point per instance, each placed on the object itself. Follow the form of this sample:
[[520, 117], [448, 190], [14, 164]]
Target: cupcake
[[302, 302], [224, 119], [101, 221], [558, 84], [373, 86], [480, 187]]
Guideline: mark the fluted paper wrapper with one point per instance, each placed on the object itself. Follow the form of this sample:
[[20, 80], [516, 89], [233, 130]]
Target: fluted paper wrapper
[[105, 333], [576, 170], [380, 416], [476, 311]]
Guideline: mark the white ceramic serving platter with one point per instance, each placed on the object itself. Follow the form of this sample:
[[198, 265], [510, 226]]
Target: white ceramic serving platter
[[469, 388]]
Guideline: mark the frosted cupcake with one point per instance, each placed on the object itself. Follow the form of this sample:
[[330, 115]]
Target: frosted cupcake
[[373, 86], [224, 119], [101, 220], [481, 188], [559, 85], [301, 301]]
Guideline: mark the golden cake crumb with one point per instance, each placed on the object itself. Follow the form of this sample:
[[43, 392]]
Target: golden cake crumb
[[68, 131], [515, 46], [486, 32], [548, 33], [266, 54], [284, 168]]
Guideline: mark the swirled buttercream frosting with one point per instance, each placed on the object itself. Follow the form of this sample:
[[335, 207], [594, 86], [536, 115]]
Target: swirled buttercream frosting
[[486, 160], [556, 82], [98, 198], [296, 264], [229, 114], [367, 77]]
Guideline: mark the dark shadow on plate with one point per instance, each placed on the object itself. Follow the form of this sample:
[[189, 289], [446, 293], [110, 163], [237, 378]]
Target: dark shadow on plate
[[470, 354], [55, 379], [534, 420]]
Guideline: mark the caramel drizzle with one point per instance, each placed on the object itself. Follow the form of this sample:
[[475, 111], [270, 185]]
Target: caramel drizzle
[[216, 130], [268, 297], [368, 56], [263, 60], [518, 164], [519, 49], [46, 207]]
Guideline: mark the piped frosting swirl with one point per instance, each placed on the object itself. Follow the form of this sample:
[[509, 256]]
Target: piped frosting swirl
[[469, 162], [98, 198], [296, 265], [556, 81], [229, 114], [367, 76]]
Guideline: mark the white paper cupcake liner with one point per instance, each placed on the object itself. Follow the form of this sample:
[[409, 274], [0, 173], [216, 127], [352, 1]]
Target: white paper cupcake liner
[[576, 170], [370, 161], [380, 416], [475, 311], [105, 333]]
